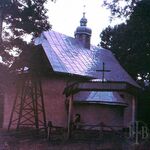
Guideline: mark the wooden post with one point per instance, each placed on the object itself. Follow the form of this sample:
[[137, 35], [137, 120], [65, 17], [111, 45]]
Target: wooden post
[[69, 116], [133, 109], [49, 125]]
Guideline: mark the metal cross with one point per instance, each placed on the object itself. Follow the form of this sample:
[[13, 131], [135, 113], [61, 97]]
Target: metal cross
[[103, 72]]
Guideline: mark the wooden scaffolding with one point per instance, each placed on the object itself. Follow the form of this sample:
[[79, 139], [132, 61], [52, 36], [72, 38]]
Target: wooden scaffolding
[[28, 109]]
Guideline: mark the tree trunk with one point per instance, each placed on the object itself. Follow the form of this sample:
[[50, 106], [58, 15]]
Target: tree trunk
[[1, 24]]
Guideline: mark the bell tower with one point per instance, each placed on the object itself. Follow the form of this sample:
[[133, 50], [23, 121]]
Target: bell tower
[[83, 33]]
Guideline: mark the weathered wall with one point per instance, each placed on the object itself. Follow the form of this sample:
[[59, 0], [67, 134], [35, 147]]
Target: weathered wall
[[95, 114], [110, 115], [55, 101], [8, 103], [129, 114], [55, 107], [53, 98]]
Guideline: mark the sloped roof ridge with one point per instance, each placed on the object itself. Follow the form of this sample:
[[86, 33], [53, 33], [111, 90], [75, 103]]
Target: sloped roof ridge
[[64, 51]]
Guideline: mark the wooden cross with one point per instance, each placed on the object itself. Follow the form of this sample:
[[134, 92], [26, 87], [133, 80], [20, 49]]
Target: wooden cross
[[103, 72]]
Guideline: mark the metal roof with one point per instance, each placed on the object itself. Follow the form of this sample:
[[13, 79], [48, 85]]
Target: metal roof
[[105, 97], [68, 55]]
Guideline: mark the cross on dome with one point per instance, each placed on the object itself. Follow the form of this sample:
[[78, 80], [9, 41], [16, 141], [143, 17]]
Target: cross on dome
[[83, 20]]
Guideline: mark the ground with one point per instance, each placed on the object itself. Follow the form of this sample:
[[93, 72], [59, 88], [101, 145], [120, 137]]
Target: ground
[[22, 141]]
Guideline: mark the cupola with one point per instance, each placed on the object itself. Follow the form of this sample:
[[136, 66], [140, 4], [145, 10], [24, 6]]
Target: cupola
[[83, 33]]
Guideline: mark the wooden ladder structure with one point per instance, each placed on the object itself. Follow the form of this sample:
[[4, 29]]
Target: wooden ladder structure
[[28, 108]]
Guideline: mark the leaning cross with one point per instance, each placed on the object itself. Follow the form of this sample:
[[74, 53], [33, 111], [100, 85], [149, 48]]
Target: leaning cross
[[103, 72]]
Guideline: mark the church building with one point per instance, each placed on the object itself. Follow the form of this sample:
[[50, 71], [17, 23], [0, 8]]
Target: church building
[[105, 91]]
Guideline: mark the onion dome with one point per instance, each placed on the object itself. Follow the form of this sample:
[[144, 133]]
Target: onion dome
[[83, 29]]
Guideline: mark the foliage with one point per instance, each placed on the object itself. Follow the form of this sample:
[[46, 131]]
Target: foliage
[[120, 8], [22, 18], [130, 41]]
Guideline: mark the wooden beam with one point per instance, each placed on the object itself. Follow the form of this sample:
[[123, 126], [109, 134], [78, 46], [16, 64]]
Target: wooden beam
[[69, 116], [100, 86]]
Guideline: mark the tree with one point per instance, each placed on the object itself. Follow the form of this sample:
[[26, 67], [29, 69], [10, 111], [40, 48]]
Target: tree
[[120, 8], [130, 41], [22, 18]]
